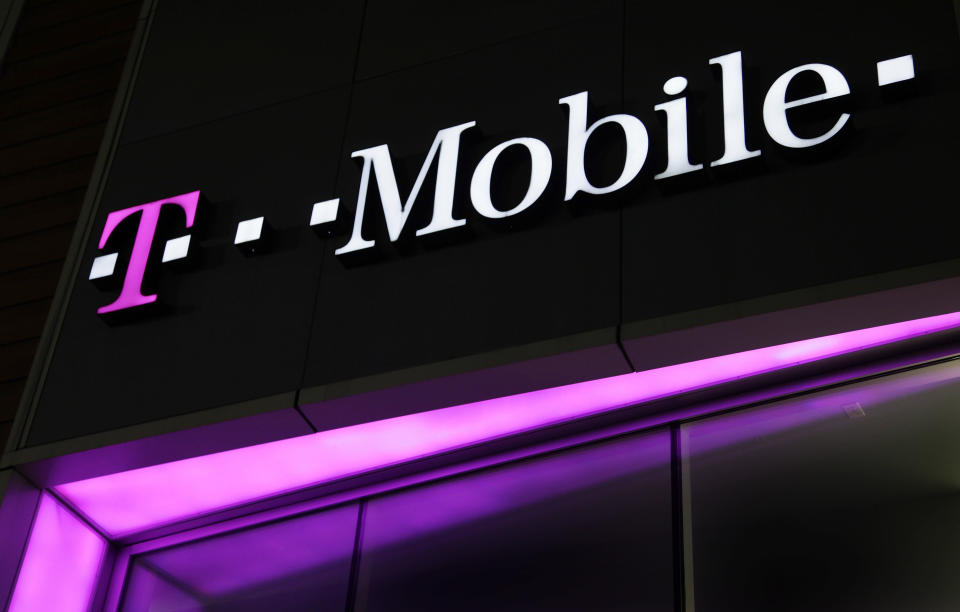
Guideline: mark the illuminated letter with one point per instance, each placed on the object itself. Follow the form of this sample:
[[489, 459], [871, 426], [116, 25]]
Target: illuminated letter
[[775, 105], [577, 135], [541, 163], [132, 294], [678, 160], [446, 146], [734, 131]]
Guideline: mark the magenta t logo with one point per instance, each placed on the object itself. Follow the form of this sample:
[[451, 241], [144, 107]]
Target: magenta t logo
[[132, 293]]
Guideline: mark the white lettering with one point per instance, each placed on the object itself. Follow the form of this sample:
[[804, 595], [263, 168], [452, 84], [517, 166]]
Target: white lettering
[[775, 105], [577, 135], [446, 146], [734, 130], [540, 166], [678, 159]]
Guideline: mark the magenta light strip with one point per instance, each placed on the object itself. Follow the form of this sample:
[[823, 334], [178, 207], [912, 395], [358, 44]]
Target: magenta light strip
[[61, 564], [127, 502]]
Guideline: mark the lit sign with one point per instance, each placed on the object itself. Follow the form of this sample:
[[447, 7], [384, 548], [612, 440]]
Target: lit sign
[[131, 294], [377, 166]]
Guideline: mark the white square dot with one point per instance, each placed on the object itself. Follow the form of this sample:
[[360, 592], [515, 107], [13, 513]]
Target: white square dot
[[103, 266], [176, 248], [895, 70], [324, 212], [249, 230]]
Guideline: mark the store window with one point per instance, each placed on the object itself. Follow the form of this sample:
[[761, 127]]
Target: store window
[[847, 499], [843, 497], [585, 529], [301, 563]]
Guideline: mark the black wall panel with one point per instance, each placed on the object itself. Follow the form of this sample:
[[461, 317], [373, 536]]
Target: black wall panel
[[873, 199], [550, 271], [231, 329], [261, 105], [399, 35], [208, 60]]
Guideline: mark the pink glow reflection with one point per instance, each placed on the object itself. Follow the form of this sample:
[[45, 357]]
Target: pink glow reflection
[[454, 504], [132, 501], [61, 563], [729, 430], [308, 546]]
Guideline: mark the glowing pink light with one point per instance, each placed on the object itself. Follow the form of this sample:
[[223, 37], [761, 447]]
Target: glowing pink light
[[128, 502], [61, 564], [219, 567], [131, 294]]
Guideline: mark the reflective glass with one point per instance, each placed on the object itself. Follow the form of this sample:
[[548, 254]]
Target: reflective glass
[[846, 500], [302, 563], [584, 529]]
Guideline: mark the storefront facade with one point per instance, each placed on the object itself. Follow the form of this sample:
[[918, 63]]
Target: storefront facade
[[536, 306]]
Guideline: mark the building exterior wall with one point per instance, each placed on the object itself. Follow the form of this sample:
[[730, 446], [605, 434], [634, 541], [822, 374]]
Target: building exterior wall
[[58, 81], [237, 102], [765, 346]]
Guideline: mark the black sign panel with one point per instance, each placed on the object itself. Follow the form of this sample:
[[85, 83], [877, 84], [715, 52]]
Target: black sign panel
[[261, 107]]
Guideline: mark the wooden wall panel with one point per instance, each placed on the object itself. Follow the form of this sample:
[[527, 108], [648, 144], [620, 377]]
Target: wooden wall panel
[[79, 113], [29, 217], [44, 181], [61, 63], [56, 12], [51, 94], [28, 284], [89, 27]]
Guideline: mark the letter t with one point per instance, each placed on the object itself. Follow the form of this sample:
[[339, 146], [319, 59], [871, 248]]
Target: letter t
[[131, 294]]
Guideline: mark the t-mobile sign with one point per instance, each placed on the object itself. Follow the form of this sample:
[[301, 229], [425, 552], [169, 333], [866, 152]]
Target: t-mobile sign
[[444, 152]]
